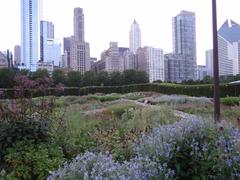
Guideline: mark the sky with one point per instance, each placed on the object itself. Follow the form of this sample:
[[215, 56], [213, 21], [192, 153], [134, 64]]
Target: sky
[[110, 20]]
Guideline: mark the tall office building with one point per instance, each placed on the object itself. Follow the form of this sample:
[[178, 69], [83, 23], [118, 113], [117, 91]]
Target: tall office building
[[30, 34], [135, 37], [184, 41], [229, 48], [79, 24], [79, 56], [79, 49], [17, 55], [151, 60], [113, 58], [46, 33]]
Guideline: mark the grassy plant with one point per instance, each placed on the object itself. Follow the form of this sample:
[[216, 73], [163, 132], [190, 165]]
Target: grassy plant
[[68, 100], [231, 101], [178, 99], [119, 108], [104, 98], [148, 117], [135, 97]]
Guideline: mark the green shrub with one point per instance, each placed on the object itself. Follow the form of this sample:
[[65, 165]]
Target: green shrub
[[230, 101], [28, 160], [108, 97], [118, 109], [178, 99], [164, 88]]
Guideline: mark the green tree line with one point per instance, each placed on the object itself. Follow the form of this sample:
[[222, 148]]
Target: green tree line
[[76, 79]]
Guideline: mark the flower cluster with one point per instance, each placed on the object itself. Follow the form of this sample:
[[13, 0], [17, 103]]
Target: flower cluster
[[189, 148], [92, 166]]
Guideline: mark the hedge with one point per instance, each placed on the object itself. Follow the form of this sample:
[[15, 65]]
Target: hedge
[[164, 88]]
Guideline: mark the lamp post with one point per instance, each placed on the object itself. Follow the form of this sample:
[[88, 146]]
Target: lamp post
[[215, 64]]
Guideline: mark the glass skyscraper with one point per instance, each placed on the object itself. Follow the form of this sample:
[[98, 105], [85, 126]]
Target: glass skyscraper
[[30, 34], [184, 41]]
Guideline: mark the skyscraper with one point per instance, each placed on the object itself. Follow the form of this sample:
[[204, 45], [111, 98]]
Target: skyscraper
[[30, 34], [46, 33], [135, 37], [79, 24], [229, 48], [151, 60], [184, 41], [79, 49]]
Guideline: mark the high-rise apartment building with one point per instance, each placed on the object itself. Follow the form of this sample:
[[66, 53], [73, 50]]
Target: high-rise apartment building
[[151, 60], [79, 24], [17, 55], [135, 37], [184, 41], [30, 34]]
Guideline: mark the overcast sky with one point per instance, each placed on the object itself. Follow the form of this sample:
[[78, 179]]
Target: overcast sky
[[110, 20]]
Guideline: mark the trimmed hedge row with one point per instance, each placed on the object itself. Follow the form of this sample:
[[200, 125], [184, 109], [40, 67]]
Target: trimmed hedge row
[[164, 88]]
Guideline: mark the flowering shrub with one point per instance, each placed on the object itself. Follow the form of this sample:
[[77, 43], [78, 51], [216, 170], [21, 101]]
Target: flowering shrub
[[194, 148], [25, 117], [92, 166], [190, 148]]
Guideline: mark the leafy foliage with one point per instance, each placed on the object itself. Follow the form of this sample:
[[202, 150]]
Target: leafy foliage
[[231, 101], [6, 78], [74, 79], [58, 77], [28, 160], [24, 118]]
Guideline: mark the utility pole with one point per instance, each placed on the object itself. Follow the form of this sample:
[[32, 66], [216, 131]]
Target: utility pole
[[215, 64]]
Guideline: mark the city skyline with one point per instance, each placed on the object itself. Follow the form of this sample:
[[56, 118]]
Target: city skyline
[[106, 21]]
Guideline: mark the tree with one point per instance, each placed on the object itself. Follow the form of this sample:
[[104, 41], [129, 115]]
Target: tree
[[129, 76], [207, 80], [142, 77], [6, 78], [102, 78], [115, 79], [89, 78], [40, 73], [74, 79], [24, 72], [58, 76]]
